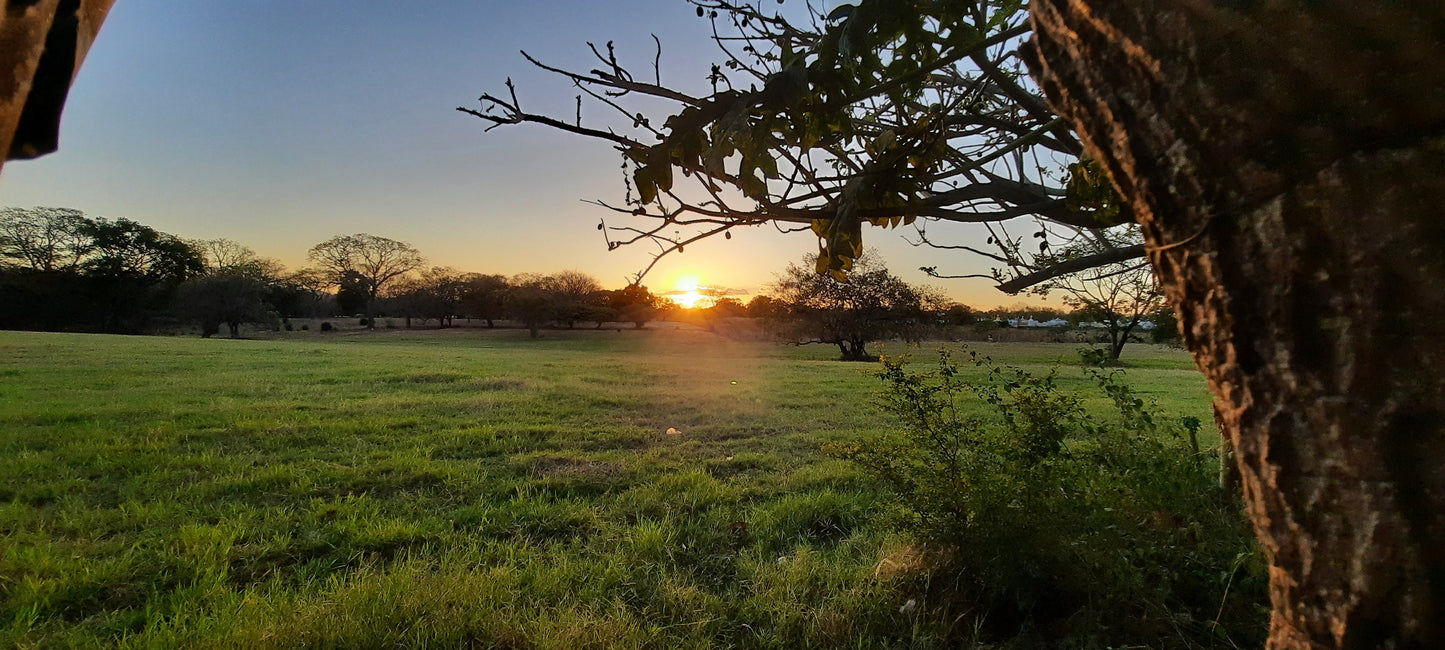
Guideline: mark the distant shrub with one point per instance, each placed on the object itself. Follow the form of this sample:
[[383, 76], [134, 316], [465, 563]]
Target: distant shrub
[[1166, 327], [364, 322], [289, 327], [1092, 357], [1088, 531], [305, 327], [326, 326]]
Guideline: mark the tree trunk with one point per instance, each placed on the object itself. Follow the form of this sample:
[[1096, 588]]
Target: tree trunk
[[1285, 164], [235, 328], [853, 350], [1116, 343]]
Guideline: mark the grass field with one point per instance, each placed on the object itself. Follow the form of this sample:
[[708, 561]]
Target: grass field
[[457, 488]]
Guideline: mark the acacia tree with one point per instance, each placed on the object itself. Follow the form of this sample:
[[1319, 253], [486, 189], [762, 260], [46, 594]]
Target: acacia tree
[[370, 261], [1292, 215], [871, 305]]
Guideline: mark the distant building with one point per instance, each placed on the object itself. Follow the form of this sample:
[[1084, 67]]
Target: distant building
[[1029, 322]]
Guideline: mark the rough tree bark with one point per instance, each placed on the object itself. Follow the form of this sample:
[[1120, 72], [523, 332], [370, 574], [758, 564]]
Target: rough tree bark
[[1286, 162]]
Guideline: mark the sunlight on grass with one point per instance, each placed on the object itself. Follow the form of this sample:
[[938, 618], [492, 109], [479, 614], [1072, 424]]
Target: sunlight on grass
[[453, 488]]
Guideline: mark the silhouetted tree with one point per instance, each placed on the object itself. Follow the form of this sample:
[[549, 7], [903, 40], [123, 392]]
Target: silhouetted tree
[[135, 270], [436, 293], [484, 297], [957, 314], [227, 297], [577, 295], [44, 239], [766, 307], [373, 262], [634, 304], [532, 301], [871, 305], [352, 296], [235, 288], [726, 307]]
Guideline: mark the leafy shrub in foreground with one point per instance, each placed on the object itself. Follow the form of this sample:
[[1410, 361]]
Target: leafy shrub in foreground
[[1059, 525]]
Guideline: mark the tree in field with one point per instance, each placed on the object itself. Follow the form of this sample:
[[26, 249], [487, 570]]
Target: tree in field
[[484, 297], [62, 269], [374, 262], [435, 293], [351, 294], [763, 306], [41, 255], [532, 301], [1292, 216], [1282, 160], [577, 295], [224, 298], [235, 288], [1118, 296], [871, 305], [301, 293], [726, 307], [44, 239], [956, 314], [635, 304], [134, 270]]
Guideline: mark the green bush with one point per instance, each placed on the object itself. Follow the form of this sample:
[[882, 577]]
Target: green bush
[[1063, 526]]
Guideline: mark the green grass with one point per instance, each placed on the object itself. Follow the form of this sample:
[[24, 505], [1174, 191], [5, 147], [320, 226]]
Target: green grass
[[458, 488]]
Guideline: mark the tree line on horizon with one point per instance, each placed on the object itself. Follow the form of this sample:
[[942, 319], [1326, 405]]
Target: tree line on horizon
[[62, 270]]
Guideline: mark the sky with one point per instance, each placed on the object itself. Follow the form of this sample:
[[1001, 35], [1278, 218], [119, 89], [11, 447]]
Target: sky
[[281, 124]]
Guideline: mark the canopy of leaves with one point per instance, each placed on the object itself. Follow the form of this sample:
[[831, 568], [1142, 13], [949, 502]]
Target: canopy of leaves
[[882, 112], [375, 260]]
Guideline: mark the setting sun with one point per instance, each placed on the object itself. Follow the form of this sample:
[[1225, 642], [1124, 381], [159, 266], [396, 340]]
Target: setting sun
[[685, 292]]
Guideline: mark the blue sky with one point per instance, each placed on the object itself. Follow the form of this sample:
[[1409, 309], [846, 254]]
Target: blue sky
[[279, 124]]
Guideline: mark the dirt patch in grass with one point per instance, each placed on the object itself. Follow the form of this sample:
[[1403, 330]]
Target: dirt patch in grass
[[498, 384], [424, 378], [568, 467]]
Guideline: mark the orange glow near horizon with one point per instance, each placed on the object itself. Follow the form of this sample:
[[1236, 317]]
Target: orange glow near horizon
[[685, 292]]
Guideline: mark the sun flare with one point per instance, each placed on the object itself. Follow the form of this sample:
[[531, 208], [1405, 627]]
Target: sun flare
[[685, 291]]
